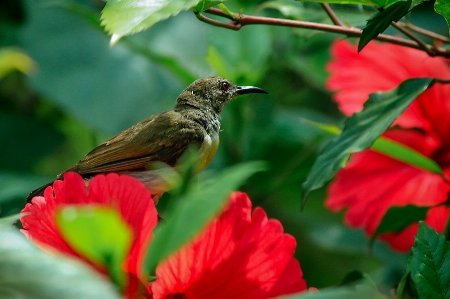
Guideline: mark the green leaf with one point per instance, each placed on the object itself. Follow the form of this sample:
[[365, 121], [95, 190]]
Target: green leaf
[[27, 272], [429, 263], [12, 59], [181, 226], [99, 234], [324, 127], [443, 7], [125, 17], [381, 21], [8, 221], [406, 288], [205, 4], [362, 129], [406, 154], [389, 148], [398, 218]]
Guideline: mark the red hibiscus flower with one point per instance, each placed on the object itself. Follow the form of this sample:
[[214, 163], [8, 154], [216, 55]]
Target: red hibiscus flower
[[239, 255], [371, 183], [131, 199]]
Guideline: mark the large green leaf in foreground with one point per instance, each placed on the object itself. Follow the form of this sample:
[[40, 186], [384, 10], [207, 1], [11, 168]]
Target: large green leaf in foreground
[[443, 7], [27, 272], [429, 263], [8, 221], [362, 129], [194, 211], [124, 17], [99, 234]]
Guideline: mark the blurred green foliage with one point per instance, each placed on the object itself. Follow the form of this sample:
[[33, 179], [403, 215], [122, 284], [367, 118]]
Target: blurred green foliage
[[28, 272], [82, 92]]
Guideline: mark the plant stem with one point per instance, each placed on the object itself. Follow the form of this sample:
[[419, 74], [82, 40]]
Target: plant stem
[[428, 33], [429, 49], [331, 14], [244, 20], [442, 81], [201, 17]]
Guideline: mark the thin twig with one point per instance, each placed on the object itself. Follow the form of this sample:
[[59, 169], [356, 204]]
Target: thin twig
[[231, 25], [429, 49], [331, 14], [442, 81], [428, 33], [353, 32]]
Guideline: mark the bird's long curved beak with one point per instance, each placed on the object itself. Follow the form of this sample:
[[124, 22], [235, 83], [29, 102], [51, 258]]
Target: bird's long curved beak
[[249, 89]]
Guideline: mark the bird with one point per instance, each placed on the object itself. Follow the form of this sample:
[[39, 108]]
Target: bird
[[164, 137]]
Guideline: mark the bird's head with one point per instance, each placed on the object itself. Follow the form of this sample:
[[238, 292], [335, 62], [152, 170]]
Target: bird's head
[[213, 93]]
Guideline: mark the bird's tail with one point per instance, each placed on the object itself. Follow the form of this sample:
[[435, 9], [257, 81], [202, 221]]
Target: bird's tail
[[38, 192]]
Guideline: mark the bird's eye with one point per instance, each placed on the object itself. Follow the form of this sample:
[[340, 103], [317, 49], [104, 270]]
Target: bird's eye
[[224, 86]]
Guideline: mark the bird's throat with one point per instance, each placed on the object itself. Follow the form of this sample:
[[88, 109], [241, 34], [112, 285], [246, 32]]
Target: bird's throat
[[208, 119]]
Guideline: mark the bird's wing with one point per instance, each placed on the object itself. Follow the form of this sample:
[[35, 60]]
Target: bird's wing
[[162, 137]]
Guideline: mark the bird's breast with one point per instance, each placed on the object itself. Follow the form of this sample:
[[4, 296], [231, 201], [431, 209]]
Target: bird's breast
[[208, 149]]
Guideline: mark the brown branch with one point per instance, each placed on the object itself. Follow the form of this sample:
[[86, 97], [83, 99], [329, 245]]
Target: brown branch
[[428, 33], [331, 14], [233, 25], [429, 49], [442, 81], [351, 32]]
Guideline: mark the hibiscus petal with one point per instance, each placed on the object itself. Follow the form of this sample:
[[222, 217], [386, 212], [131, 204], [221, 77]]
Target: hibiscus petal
[[127, 195], [371, 183], [240, 255], [350, 70], [70, 191], [39, 224]]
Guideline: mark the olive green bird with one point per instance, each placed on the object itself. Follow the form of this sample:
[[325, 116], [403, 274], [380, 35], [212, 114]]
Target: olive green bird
[[164, 137]]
